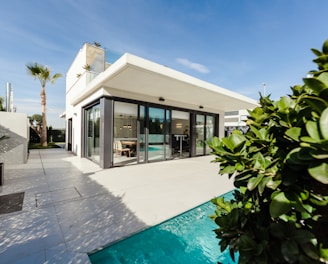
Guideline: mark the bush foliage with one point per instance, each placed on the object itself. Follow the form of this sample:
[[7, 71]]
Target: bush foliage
[[280, 171]]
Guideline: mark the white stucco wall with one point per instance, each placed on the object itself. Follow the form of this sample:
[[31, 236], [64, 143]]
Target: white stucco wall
[[14, 149], [16, 122]]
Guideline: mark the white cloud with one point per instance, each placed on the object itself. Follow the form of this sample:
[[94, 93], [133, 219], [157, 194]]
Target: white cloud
[[193, 65]]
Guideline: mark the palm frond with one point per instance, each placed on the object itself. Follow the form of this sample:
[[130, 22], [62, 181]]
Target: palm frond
[[55, 77], [41, 72]]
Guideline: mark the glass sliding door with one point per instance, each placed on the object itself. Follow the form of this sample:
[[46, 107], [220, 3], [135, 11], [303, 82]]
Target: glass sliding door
[[93, 133], [156, 118], [180, 134], [200, 134], [167, 135], [125, 133], [159, 124], [210, 122], [141, 155]]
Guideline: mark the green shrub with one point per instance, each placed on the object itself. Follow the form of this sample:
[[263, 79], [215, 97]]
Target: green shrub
[[280, 171]]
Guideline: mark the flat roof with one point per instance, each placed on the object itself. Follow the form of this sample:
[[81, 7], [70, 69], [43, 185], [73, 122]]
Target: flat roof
[[134, 77]]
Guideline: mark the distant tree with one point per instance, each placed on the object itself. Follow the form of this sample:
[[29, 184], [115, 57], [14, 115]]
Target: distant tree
[[1, 104], [37, 118], [43, 74]]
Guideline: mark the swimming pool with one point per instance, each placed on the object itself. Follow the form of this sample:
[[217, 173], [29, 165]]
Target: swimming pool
[[186, 238]]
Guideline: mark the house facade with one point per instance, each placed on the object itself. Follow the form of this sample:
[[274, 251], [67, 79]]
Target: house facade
[[136, 111]]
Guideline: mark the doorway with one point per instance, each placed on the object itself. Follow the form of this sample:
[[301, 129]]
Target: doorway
[[159, 124]]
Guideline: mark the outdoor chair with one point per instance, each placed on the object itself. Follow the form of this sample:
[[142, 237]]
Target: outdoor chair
[[118, 148]]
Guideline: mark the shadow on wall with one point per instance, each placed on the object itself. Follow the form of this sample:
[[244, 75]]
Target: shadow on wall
[[14, 148]]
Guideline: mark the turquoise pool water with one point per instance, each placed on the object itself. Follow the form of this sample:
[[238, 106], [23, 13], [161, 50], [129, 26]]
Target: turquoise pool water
[[186, 238]]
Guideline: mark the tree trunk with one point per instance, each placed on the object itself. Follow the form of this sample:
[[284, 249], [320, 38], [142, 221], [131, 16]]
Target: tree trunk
[[44, 118]]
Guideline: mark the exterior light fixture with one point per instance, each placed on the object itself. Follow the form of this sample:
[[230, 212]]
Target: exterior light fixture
[[201, 107], [161, 99]]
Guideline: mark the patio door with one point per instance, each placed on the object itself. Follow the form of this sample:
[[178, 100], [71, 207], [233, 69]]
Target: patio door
[[159, 122], [93, 133], [204, 131]]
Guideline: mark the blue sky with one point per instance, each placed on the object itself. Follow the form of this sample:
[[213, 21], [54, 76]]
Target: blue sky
[[236, 44]]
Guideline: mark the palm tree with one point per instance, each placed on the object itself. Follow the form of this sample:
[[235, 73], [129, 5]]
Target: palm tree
[[43, 73]]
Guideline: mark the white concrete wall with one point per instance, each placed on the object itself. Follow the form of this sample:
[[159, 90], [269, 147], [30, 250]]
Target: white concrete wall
[[76, 68], [221, 124], [95, 57], [16, 122], [14, 150]]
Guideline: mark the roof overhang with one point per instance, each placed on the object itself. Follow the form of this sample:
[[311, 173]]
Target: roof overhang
[[134, 78]]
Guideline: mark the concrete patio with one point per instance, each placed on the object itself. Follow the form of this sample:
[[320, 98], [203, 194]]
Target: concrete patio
[[72, 207]]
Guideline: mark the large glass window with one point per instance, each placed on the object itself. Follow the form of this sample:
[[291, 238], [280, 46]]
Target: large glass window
[[156, 143], [180, 134], [93, 133], [141, 155], [125, 133], [205, 125], [200, 134], [210, 122]]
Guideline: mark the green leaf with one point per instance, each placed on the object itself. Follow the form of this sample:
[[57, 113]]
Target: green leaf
[[324, 94], [239, 166], [325, 47], [320, 172], [227, 169], [310, 251], [273, 184], [316, 52], [319, 199], [254, 181], [321, 61], [247, 243], [324, 124], [279, 204], [324, 252], [262, 184], [233, 141], [284, 104], [319, 154], [323, 77], [294, 133], [313, 130], [315, 84], [303, 236], [317, 104], [290, 251]]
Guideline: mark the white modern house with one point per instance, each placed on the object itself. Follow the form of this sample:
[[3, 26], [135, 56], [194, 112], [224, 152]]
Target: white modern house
[[137, 111]]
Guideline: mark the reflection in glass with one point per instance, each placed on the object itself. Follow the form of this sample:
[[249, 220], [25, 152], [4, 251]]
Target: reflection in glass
[[125, 133], [200, 135], [93, 133], [142, 137], [156, 134], [209, 131], [180, 134]]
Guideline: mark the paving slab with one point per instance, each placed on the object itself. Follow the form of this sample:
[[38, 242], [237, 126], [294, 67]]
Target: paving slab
[[72, 207]]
